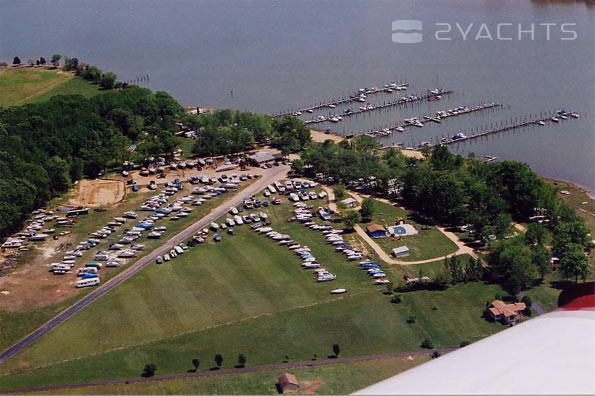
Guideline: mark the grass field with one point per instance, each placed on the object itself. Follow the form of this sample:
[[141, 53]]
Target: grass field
[[29, 85], [425, 245], [17, 323], [341, 378], [245, 295]]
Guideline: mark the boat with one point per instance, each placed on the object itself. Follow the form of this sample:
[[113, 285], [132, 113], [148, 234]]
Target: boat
[[542, 123], [575, 115], [338, 291], [555, 119], [381, 281], [564, 117]]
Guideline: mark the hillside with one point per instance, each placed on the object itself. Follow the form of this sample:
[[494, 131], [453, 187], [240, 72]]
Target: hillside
[[19, 86]]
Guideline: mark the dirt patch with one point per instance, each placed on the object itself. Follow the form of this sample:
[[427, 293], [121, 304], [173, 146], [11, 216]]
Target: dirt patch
[[310, 387], [320, 137], [98, 192]]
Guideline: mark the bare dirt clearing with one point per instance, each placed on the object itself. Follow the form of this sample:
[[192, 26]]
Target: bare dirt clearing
[[98, 192]]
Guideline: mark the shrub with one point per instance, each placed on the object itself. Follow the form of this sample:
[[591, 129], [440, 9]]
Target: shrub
[[427, 344]]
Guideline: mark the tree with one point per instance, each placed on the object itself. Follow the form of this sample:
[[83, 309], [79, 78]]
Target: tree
[[351, 218], [16, 61], [527, 300], [464, 343], [195, 363], [56, 59], [427, 344], [218, 360], [367, 209], [298, 166], [42, 60], [541, 258], [339, 191], [436, 354], [574, 232], [574, 263], [241, 360], [336, 349], [108, 80], [149, 370], [535, 234]]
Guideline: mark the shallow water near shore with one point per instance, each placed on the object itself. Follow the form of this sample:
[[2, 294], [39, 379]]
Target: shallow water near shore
[[272, 56]]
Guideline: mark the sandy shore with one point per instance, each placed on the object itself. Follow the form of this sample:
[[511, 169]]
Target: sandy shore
[[320, 137]]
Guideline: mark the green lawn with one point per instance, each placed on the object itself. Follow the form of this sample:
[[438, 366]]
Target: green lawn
[[341, 378], [15, 325], [425, 245], [27, 85], [245, 295]]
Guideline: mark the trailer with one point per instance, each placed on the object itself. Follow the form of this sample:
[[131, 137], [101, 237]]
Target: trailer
[[87, 282]]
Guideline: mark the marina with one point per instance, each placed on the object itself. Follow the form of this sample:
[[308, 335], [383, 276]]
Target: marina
[[360, 96], [505, 127], [439, 116], [431, 95]]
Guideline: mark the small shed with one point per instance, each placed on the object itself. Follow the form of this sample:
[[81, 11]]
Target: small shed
[[401, 251], [288, 383], [376, 231], [349, 202]]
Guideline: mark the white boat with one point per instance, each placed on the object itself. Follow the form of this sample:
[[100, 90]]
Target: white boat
[[575, 115], [564, 117], [381, 281], [542, 123], [214, 226], [555, 119], [338, 291]]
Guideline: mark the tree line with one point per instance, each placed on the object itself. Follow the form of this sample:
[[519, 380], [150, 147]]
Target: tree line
[[226, 131], [106, 80], [45, 147]]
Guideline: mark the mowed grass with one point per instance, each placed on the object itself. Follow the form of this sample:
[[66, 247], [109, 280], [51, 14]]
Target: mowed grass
[[340, 378], [245, 294], [28, 85], [16, 324], [427, 244]]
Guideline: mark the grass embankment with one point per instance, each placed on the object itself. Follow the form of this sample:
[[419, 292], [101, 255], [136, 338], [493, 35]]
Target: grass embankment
[[29, 85], [246, 294], [341, 378], [425, 245]]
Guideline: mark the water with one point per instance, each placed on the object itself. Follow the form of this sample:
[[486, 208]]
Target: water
[[277, 55]]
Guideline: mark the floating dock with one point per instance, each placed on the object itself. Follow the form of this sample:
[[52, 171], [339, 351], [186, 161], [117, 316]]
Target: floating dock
[[540, 121], [429, 96], [438, 118], [357, 97]]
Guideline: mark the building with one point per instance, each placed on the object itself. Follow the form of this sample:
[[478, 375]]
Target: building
[[261, 158], [349, 202], [288, 383], [401, 251], [376, 231], [505, 313]]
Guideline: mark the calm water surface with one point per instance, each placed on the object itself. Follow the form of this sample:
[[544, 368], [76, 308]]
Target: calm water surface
[[278, 55]]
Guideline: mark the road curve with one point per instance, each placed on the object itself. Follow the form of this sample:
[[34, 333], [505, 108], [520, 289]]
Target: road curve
[[268, 177]]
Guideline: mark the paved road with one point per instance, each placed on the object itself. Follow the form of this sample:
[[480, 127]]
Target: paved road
[[267, 367], [268, 177]]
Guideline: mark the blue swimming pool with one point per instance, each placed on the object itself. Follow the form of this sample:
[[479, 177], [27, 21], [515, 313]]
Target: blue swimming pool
[[399, 230]]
